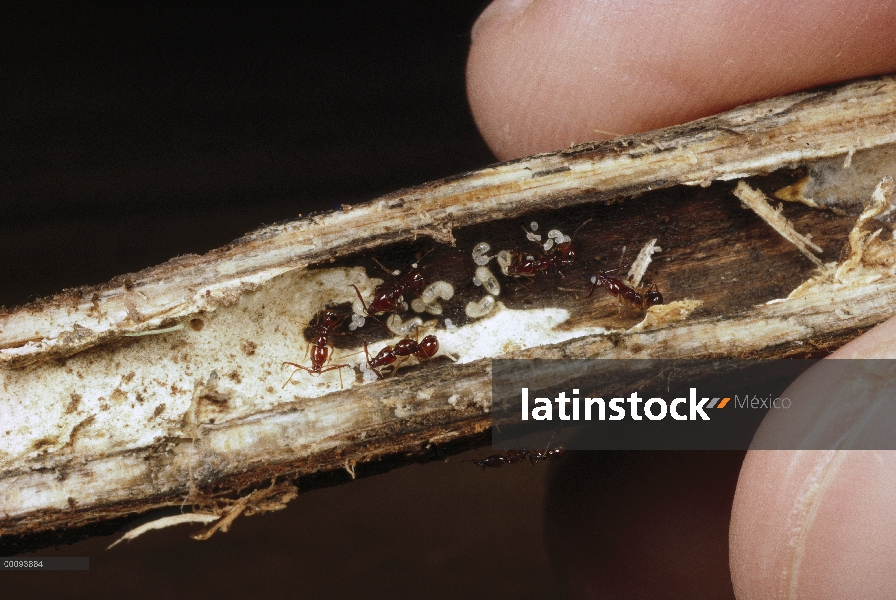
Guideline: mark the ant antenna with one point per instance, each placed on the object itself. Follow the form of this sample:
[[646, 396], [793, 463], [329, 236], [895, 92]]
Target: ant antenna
[[620, 267], [530, 234], [384, 268], [367, 356], [421, 257], [582, 225]]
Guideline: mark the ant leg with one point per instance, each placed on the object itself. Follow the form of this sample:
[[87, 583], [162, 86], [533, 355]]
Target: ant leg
[[334, 367], [383, 325], [520, 280], [544, 455], [593, 286], [298, 366], [330, 368], [575, 293], [290, 379], [397, 364], [304, 368], [339, 367], [369, 366], [364, 304]]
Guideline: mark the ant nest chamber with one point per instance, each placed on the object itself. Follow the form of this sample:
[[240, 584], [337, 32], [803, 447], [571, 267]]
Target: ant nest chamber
[[762, 232]]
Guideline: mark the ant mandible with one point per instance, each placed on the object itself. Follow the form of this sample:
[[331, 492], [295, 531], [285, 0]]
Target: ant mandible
[[324, 326], [642, 299], [405, 348]]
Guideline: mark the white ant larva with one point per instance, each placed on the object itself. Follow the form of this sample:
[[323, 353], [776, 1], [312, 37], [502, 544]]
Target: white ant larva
[[476, 310], [488, 280], [479, 254]]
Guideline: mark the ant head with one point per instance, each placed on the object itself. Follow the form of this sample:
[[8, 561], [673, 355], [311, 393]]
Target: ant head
[[566, 253], [429, 346], [415, 281], [328, 319], [654, 297], [556, 451]]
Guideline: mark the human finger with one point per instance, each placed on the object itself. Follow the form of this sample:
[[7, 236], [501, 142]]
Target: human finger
[[542, 76]]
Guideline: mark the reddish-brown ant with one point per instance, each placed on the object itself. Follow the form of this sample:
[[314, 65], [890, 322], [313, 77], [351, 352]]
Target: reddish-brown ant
[[642, 299], [528, 265], [324, 326], [509, 457], [388, 297], [563, 254], [405, 348], [548, 453]]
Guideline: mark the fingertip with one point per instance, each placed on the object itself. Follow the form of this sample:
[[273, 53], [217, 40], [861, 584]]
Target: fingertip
[[818, 524], [543, 76], [814, 525], [879, 342]]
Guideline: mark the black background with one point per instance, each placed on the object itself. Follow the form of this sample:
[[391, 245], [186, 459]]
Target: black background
[[132, 135]]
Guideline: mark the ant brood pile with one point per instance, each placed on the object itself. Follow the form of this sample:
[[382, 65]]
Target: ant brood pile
[[399, 292]]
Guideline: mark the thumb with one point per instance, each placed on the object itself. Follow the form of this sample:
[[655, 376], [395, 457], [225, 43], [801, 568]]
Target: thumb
[[543, 75], [818, 524]]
